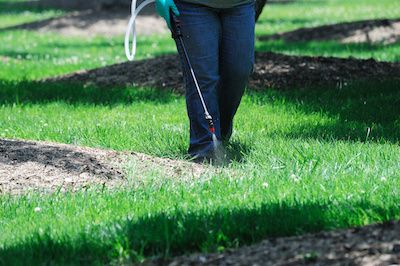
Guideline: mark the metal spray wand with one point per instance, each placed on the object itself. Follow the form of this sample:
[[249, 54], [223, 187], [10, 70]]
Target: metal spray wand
[[177, 35]]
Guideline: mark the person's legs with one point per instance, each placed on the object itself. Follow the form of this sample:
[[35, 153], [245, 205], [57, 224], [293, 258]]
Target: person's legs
[[201, 31], [236, 61]]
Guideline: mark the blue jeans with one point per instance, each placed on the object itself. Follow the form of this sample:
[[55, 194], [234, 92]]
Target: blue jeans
[[220, 45]]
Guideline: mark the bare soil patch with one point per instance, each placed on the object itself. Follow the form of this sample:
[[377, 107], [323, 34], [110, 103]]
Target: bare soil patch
[[4, 59], [374, 245], [91, 23], [385, 31], [48, 167], [270, 70]]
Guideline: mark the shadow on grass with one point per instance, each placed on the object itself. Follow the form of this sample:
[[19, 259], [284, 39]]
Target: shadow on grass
[[178, 232], [361, 110], [72, 46], [18, 7], [237, 151], [274, 21], [32, 92], [329, 48]]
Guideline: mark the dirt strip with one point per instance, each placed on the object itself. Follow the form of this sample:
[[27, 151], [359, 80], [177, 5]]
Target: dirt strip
[[48, 167], [375, 245], [91, 23], [270, 70]]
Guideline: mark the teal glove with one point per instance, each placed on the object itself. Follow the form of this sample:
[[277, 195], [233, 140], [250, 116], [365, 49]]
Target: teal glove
[[163, 7]]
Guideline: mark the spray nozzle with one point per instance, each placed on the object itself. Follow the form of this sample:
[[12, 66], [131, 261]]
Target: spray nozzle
[[210, 123]]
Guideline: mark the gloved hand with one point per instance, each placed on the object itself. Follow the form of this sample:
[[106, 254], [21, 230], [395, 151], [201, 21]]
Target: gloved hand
[[163, 7]]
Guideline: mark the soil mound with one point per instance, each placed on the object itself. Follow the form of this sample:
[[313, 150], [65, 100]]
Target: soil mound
[[270, 70], [374, 245], [91, 23], [368, 31], [48, 167]]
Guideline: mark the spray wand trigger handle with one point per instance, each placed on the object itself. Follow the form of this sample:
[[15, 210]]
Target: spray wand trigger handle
[[175, 25]]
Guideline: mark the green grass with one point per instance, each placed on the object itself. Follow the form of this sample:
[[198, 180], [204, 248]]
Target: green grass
[[302, 164], [17, 12], [136, 119], [311, 13], [304, 160], [34, 56], [211, 213], [10, 20]]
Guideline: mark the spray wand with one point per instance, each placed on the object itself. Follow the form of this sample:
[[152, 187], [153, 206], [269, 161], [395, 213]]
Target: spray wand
[[130, 51], [177, 35]]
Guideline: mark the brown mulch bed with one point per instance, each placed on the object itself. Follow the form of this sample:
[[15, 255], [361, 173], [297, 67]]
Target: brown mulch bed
[[374, 245], [270, 70], [48, 167], [367, 31]]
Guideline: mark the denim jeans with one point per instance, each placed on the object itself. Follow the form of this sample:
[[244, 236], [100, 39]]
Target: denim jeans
[[220, 45]]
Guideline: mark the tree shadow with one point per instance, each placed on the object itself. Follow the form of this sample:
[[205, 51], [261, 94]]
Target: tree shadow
[[361, 111], [362, 96], [37, 92], [365, 31], [237, 151], [268, 21], [69, 49], [174, 233], [22, 55], [18, 7]]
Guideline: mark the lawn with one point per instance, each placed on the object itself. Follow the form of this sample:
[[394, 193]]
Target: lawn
[[304, 161], [15, 12]]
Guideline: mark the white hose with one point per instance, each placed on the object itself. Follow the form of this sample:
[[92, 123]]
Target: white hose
[[130, 51]]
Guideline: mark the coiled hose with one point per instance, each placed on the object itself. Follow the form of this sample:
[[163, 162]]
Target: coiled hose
[[130, 48]]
